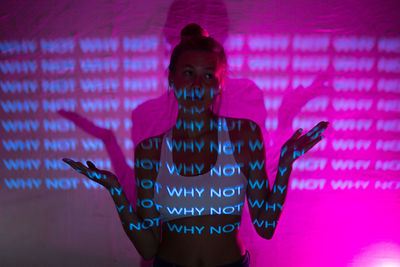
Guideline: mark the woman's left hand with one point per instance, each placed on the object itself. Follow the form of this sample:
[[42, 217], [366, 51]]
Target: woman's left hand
[[298, 145]]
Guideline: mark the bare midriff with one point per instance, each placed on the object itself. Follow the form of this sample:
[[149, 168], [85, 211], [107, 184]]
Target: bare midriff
[[203, 246]]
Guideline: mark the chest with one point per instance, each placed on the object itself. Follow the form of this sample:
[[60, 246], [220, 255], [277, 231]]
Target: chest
[[199, 155]]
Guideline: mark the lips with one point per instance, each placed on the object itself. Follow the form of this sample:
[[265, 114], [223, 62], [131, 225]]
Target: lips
[[196, 97], [191, 95]]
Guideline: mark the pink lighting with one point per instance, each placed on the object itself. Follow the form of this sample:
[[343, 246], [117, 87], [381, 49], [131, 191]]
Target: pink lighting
[[291, 64], [378, 255]]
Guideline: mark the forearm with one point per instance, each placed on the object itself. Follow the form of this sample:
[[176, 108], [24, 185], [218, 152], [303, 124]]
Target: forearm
[[117, 157], [267, 206], [138, 230], [268, 215]]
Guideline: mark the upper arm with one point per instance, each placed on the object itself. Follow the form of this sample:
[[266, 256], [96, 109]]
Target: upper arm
[[258, 187], [146, 169]]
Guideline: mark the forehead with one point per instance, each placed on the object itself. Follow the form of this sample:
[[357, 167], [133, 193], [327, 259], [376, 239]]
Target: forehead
[[198, 59]]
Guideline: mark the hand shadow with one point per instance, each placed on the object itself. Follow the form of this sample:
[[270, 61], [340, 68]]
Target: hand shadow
[[293, 101], [119, 163]]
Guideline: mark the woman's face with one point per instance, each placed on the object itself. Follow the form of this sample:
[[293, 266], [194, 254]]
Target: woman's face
[[196, 79]]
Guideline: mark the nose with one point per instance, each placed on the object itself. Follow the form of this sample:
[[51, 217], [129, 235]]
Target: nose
[[196, 82]]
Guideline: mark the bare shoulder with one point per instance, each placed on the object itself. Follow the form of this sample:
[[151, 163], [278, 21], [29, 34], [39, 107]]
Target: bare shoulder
[[245, 135], [248, 133], [150, 147], [243, 128], [147, 157]]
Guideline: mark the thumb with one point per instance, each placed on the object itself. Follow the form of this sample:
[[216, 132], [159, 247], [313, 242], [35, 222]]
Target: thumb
[[91, 165]]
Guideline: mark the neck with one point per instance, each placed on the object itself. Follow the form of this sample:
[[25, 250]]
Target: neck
[[194, 122]]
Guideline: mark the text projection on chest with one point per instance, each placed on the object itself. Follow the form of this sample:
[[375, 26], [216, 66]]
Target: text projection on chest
[[198, 146], [217, 229], [225, 199], [195, 169]]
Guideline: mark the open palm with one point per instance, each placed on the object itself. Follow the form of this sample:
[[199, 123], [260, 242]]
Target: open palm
[[298, 145], [103, 177]]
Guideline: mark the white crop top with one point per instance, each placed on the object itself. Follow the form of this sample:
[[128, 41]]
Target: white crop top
[[220, 191]]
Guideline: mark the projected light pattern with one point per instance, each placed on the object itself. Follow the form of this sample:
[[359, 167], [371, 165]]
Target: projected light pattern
[[342, 200], [365, 67]]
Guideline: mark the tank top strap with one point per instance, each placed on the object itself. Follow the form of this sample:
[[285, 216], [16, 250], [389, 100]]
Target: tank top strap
[[167, 148], [226, 154]]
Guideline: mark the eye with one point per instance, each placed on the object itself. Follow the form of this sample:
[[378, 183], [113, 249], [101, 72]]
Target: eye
[[209, 76], [188, 73]]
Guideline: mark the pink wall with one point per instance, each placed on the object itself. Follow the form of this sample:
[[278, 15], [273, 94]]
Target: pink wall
[[291, 65]]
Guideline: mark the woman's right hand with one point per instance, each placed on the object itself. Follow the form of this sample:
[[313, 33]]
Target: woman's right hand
[[103, 177]]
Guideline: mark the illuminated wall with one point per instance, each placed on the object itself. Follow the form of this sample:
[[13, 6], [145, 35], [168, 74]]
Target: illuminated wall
[[311, 61]]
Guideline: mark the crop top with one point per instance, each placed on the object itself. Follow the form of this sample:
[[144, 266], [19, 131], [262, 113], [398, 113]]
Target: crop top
[[220, 191]]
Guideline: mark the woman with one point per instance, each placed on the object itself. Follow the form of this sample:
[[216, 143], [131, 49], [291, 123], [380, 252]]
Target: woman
[[192, 180]]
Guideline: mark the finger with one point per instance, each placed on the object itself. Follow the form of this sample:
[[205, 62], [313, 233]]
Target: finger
[[95, 174], [313, 130], [317, 130], [313, 143], [283, 150], [323, 124], [70, 162], [292, 138], [296, 134], [91, 165], [77, 166], [67, 160], [80, 165]]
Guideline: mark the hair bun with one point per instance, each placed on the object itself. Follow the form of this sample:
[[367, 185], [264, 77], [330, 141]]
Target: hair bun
[[193, 30]]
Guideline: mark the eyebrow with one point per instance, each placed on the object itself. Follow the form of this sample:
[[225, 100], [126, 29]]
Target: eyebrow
[[208, 68]]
